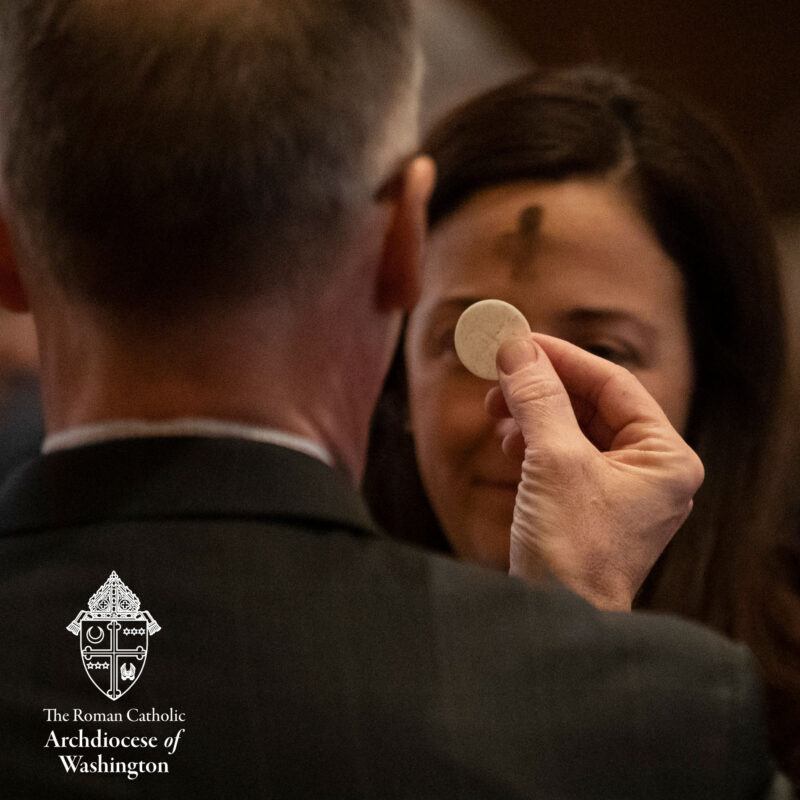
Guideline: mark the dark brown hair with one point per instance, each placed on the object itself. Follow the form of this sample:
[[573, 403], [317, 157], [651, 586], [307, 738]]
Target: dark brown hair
[[179, 150], [693, 190]]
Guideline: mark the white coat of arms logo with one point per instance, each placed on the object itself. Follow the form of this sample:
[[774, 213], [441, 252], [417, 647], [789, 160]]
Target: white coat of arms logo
[[114, 637]]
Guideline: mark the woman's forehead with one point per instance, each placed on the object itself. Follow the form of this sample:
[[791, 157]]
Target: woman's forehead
[[583, 242]]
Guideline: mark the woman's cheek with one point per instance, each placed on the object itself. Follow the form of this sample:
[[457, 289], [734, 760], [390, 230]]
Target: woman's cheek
[[448, 416]]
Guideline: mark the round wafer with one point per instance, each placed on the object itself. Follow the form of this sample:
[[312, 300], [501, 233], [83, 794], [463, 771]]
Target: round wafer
[[480, 331]]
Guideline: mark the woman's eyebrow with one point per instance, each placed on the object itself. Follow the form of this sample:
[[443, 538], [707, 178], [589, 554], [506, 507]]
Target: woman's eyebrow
[[452, 306], [605, 314]]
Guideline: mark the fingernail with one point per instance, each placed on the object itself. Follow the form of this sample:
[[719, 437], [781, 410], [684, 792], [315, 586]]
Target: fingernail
[[515, 354]]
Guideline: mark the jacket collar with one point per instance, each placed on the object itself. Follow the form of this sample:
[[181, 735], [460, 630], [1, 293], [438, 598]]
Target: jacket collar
[[178, 478]]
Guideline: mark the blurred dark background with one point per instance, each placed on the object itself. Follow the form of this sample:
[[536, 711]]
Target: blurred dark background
[[740, 59]]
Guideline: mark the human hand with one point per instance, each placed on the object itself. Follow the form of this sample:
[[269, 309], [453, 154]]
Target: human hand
[[606, 480]]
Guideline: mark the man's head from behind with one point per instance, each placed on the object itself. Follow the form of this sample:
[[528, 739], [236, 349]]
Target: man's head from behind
[[156, 155]]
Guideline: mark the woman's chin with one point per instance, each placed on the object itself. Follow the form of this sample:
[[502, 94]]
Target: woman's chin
[[489, 548]]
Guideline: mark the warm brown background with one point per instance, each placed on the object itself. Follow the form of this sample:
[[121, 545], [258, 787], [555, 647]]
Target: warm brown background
[[740, 59]]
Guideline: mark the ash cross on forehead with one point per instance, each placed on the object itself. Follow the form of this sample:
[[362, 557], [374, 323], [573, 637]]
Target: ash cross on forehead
[[518, 247]]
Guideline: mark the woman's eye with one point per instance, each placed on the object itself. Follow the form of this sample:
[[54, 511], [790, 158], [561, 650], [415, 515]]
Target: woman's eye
[[441, 343], [615, 354]]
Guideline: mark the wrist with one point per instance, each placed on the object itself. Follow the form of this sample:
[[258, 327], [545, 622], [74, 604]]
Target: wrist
[[537, 570]]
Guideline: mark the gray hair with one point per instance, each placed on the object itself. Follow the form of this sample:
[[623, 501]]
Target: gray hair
[[158, 154]]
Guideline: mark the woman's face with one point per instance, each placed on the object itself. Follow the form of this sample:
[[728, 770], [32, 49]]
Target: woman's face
[[580, 262]]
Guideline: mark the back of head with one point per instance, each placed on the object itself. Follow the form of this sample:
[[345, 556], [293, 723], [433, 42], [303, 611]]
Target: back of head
[[157, 156]]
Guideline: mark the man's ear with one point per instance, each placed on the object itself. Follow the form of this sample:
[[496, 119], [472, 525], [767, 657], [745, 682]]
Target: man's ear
[[12, 292], [401, 265]]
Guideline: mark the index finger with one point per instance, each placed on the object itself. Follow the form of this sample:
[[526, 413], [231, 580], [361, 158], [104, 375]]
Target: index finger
[[606, 397]]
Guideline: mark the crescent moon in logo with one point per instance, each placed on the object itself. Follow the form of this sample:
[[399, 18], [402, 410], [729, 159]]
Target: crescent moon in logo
[[98, 637]]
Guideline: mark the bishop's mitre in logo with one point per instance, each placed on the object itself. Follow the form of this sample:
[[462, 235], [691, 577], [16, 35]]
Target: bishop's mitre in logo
[[114, 636]]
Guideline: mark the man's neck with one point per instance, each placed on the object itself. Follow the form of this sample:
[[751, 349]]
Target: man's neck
[[305, 388]]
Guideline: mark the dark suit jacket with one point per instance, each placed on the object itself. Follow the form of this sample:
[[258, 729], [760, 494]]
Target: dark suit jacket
[[300, 654]]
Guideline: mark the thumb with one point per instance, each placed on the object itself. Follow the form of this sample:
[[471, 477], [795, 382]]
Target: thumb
[[535, 395]]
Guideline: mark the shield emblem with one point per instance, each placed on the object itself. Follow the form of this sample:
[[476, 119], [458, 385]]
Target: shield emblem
[[114, 637], [113, 653]]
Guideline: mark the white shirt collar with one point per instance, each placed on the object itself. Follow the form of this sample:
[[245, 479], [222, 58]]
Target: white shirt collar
[[137, 429]]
